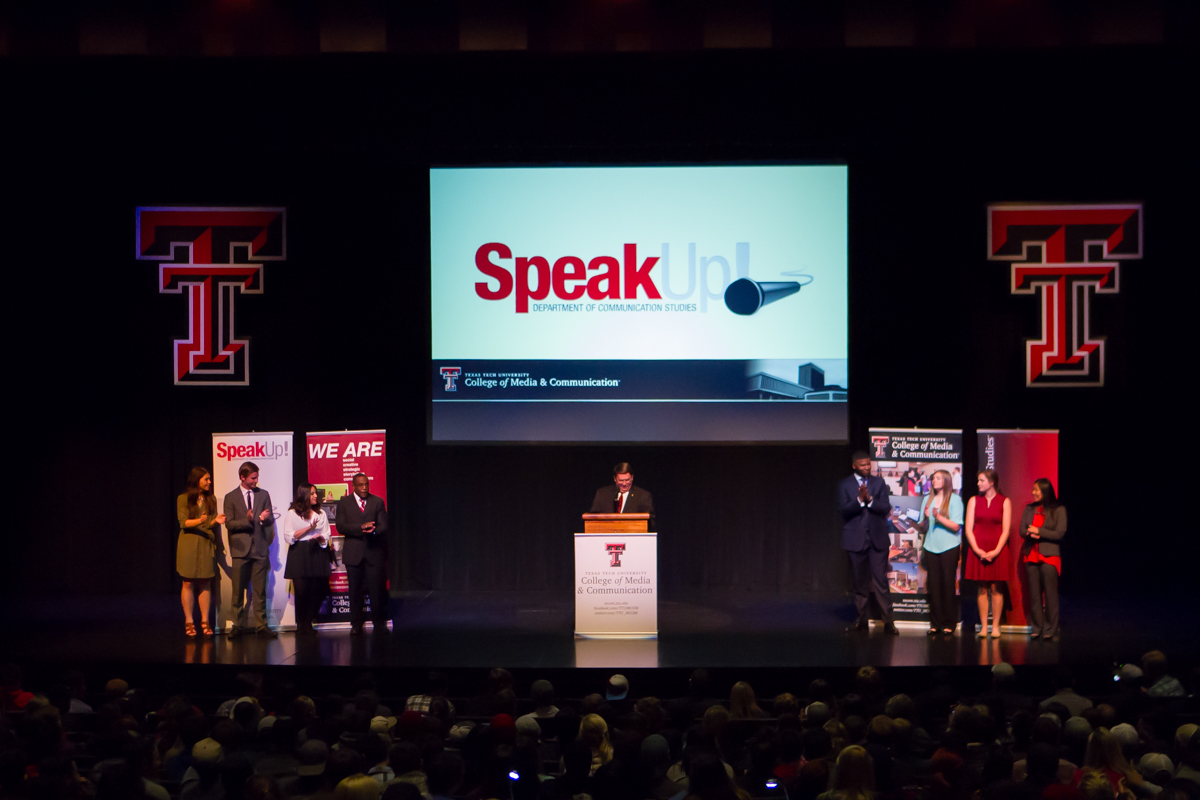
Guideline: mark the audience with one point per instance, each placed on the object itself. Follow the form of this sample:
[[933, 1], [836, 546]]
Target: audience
[[941, 742]]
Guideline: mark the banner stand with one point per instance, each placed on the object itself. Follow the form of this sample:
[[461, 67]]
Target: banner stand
[[1020, 457], [272, 454]]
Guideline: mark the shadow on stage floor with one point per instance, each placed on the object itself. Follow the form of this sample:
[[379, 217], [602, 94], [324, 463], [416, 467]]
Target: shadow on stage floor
[[534, 630]]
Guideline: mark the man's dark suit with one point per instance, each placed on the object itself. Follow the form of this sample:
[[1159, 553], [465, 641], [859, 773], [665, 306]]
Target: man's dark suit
[[639, 501], [250, 547], [865, 538], [365, 556]]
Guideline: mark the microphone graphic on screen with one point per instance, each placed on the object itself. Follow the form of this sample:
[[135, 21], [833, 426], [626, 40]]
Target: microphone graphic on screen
[[745, 296]]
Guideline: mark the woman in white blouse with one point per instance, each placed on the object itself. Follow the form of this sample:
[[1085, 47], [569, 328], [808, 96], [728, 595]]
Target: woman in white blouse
[[306, 530]]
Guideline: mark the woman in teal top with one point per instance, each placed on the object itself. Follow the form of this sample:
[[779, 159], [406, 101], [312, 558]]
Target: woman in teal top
[[941, 519]]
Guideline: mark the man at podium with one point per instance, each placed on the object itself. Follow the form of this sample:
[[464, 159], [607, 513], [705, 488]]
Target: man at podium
[[623, 497]]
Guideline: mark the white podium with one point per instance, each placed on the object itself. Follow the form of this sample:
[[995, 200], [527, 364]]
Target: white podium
[[616, 578]]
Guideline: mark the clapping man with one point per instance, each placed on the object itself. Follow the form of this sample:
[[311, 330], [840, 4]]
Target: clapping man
[[362, 519], [250, 522]]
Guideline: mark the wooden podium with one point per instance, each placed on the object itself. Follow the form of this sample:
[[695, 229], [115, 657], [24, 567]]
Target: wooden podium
[[616, 577]]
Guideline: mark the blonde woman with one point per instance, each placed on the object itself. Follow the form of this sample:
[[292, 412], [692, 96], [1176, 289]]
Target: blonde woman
[[854, 776], [941, 519], [743, 704], [593, 731]]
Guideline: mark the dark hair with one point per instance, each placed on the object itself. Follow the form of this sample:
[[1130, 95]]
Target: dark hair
[[194, 494], [622, 467], [859, 455], [247, 468], [358, 475], [302, 505], [993, 478], [1049, 496]]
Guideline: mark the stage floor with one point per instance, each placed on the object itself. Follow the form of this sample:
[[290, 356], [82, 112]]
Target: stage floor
[[534, 630]]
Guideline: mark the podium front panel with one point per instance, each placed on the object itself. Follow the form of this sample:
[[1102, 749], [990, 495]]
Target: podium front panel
[[616, 584]]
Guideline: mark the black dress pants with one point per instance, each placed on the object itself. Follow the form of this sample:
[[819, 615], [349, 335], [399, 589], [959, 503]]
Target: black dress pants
[[941, 571], [1043, 582], [368, 577], [870, 568]]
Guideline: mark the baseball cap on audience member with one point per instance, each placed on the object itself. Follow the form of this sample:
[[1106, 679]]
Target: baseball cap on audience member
[[1126, 734], [1184, 733], [241, 700], [206, 752], [816, 714], [655, 751], [382, 724], [1152, 764], [618, 688], [312, 756], [1077, 727], [1129, 672], [410, 724], [528, 726]]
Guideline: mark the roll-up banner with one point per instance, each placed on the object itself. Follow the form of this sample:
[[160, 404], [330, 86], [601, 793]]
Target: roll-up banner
[[272, 454], [334, 458], [1019, 458], [906, 459]]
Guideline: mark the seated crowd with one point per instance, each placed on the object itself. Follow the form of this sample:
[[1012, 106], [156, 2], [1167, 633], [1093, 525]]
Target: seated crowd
[[929, 742]]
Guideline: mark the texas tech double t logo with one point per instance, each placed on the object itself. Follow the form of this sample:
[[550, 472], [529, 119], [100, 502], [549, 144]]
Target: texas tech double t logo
[[1069, 253], [211, 255]]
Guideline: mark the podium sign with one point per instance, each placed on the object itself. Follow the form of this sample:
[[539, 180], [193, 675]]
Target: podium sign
[[616, 585]]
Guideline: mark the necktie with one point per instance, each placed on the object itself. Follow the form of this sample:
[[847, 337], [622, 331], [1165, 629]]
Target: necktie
[[620, 503], [362, 505], [249, 501]]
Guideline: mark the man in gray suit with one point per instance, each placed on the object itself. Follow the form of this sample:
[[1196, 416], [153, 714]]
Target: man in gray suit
[[250, 521]]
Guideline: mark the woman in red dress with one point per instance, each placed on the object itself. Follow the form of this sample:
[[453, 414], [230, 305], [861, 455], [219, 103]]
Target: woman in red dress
[[989, 516]]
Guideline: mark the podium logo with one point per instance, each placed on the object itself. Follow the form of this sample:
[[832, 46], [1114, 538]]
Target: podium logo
[[614, 554], [451, 375], [1068, 254], [880, 443], [211, 255]]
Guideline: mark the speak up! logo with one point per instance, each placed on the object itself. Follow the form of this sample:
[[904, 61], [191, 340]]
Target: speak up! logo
[[264, 451], [606, 277]]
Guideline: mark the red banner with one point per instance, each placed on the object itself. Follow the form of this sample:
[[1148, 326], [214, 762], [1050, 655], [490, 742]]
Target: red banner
[[334, 458], [1019, 458]]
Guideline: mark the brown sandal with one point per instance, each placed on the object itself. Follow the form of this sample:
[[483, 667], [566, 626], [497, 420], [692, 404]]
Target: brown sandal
[[189, 630], [205, 630]]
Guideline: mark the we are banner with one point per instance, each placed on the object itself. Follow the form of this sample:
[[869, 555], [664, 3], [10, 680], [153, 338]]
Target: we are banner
[[334, 458], [906, 459]]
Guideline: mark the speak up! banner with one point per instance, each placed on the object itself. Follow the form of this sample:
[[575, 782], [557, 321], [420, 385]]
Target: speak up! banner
[[272, 454]]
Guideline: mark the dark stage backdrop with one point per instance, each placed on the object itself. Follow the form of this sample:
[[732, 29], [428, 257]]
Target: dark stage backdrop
[[340, 337]]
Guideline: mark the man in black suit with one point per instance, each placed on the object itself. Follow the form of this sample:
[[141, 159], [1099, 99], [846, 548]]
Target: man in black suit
[[863, 502], [623, 497], [362, 519], [250, 521]]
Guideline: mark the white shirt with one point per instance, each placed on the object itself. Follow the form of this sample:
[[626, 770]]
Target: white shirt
[[863, 482], [293, 522]]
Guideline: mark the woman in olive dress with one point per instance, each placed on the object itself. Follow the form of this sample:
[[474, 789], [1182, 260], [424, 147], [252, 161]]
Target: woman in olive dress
[[196, 549]]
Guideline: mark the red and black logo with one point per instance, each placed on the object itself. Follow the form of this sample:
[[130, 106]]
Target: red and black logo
[[211, 255], [1069, 253], [614, 553], [880, 443]]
